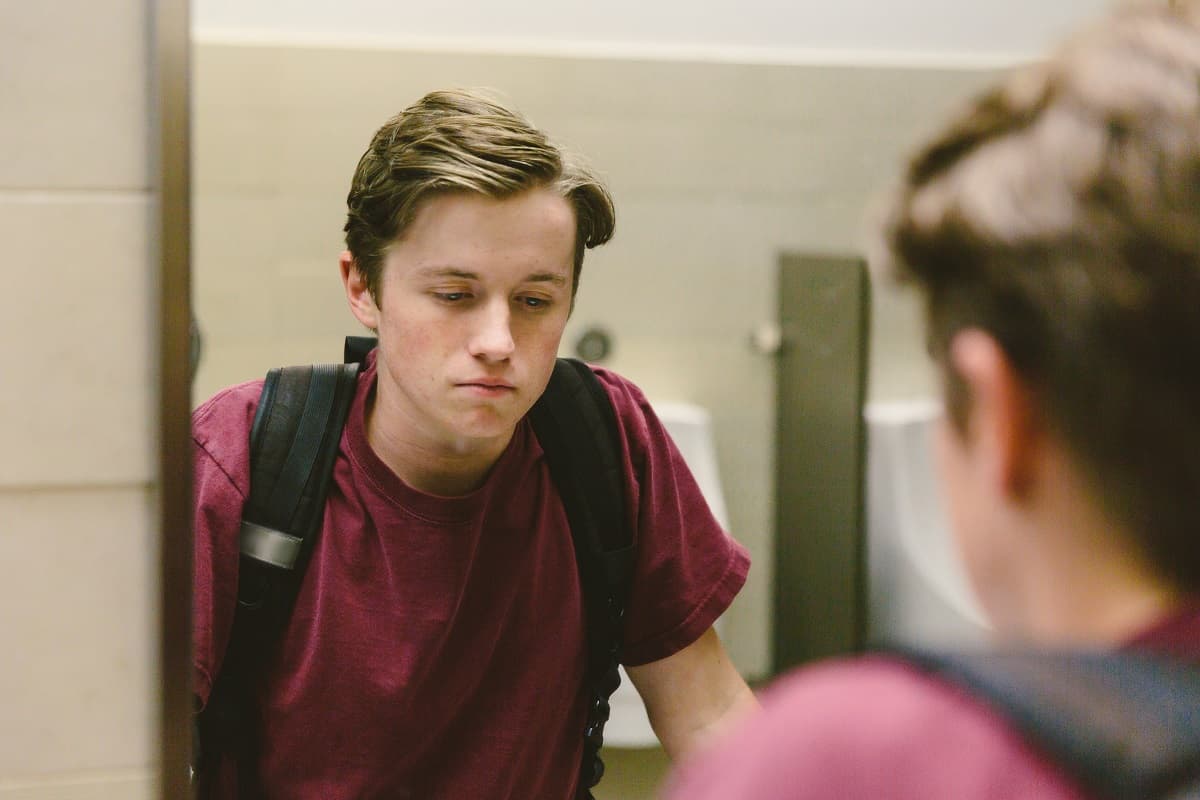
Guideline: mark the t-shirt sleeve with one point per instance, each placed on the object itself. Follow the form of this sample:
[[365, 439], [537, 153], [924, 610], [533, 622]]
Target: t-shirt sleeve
[[220, 481], [687, 569], [864, 730]]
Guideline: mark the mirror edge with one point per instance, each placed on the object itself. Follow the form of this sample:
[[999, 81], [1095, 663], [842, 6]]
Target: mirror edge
[[170, 98]]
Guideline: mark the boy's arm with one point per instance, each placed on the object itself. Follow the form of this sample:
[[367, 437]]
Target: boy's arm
[[692, 694]]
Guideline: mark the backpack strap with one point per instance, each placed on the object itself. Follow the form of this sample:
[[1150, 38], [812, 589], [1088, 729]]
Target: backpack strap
[[1126, 725], [577, 429], [356, 348], [293, 445]]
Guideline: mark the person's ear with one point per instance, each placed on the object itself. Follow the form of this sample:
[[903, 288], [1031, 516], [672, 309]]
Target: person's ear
[[362, 303], [1000, 419]]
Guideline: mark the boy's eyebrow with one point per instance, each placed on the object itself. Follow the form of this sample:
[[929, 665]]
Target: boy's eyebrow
[[451, 272], [547, 277], [446, 272]]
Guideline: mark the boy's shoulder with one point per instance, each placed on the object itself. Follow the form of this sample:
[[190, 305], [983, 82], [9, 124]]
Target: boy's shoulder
[[876, 727], [230, 400], [221, 425], [626, 396]]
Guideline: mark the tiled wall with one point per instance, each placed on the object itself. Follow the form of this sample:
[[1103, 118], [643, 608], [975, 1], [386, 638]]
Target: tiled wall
[[716, 169], [78, 703]]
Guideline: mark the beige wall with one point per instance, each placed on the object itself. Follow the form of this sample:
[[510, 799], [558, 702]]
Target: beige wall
[[716, 169], [78, 703]]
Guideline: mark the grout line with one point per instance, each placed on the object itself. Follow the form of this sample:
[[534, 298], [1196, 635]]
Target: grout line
[[78, 778], [75, 488], [41, 195]]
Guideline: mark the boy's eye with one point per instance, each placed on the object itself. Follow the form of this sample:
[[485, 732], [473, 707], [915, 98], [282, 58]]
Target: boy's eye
[[534, 302], [450, 297]]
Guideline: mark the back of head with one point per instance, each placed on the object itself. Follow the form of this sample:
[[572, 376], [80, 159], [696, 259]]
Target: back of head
[[1061, 214], [461, 141]]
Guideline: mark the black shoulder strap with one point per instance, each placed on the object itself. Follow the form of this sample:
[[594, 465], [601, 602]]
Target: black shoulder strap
[[293, 445], [1126, 725], [577, 429], [356, 348]]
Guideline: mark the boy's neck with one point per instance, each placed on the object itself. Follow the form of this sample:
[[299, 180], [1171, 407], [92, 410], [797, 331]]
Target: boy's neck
[[430, 466], [1086, 615], [1076, 576]]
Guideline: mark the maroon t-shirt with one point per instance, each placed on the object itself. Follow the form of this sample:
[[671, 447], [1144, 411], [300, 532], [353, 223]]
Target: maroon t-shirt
[[880, 729], [436, 649]]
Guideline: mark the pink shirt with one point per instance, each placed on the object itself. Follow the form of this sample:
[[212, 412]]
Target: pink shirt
[[436, 649], [879, 729]]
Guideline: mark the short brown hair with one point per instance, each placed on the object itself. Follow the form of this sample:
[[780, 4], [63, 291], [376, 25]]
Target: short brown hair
[[462, 141], [1061, 214]]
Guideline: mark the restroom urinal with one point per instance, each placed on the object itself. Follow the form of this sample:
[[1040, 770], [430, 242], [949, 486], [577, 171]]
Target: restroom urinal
[[918, 592]]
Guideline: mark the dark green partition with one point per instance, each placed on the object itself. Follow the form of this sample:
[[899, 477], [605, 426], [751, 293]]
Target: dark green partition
[[819, 580]]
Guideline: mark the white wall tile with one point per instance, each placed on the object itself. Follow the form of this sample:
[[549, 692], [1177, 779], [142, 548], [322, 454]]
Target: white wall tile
[[78, 700], [77, 673], [75, 95], [76, 316]]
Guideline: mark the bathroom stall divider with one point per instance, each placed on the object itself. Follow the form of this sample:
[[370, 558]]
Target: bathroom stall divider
[[819, 582]]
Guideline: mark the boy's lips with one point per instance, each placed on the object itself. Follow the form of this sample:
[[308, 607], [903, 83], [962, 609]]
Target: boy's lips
[[488, 387], [488, 383]]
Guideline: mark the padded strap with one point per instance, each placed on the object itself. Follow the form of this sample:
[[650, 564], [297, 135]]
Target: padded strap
[[293, 445], [1126, 725], [356, 348], [577, 429]]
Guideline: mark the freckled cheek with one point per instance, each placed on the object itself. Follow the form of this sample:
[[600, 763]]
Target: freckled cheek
[[540, 354], [418, 353], [541, 334], [544, 345], [414, 335]]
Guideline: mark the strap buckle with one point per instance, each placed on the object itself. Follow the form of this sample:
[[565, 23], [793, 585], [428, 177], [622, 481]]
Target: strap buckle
[[269, 546]]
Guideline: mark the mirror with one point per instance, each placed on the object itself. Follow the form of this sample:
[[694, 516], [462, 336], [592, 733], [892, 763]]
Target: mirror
[[727, 138]]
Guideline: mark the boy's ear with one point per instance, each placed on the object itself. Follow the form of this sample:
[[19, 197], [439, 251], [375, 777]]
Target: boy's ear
[[362, 303], [1001, 420]]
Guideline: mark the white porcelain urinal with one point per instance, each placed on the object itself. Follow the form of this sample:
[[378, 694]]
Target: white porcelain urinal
[[691, 428], [917, 590]]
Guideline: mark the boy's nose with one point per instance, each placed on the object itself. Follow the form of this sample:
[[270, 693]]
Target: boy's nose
[[492, 339]]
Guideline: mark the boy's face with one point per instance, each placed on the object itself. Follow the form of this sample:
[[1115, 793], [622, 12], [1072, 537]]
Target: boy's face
[[473, 302]]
